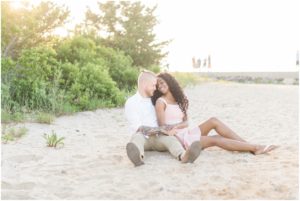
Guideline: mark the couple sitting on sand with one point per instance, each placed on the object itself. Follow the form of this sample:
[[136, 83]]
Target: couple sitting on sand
[[157, 115]]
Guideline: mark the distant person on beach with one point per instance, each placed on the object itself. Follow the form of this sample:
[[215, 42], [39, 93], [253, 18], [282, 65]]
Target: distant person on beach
[[171, 107], [198, 63], [147, 135], [194, 62], [204, 63], [297, 58]]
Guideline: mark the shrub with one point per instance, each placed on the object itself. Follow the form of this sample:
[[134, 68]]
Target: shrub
[[119, 67], [70, 72], [77, 50], [154, 68], [7, 103], [37, 79], [7, 75], [80, 51], [94, 82]]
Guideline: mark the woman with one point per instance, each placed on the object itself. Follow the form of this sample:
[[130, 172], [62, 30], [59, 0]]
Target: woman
[[171, 108]]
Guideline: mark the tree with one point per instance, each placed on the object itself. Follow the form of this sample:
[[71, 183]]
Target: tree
[[29, 27], [128, 27]]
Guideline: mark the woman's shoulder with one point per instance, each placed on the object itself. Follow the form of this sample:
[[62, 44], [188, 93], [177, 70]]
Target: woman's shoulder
[[162, 100]]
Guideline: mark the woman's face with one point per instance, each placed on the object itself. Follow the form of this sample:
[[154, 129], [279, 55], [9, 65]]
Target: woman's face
[[162, 86]]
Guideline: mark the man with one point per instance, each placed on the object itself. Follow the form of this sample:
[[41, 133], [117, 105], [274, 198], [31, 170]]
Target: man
[[141, 116]]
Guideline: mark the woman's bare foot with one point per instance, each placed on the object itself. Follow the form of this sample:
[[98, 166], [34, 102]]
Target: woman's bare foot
[[265, 149]]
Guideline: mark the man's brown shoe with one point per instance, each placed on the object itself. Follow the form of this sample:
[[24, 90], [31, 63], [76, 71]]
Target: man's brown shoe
[[133, 154], [192, 153]]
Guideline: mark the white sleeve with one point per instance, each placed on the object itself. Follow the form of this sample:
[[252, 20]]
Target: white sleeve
[[132, 116]]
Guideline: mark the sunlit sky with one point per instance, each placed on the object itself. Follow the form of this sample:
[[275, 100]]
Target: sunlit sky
[[239, 35]]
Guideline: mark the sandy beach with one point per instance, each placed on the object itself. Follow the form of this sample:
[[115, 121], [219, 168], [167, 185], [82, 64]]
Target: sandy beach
[[93, 163]]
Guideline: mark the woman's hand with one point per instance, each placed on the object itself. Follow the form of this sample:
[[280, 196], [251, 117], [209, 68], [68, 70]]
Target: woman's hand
[[172, 132], [169, 127]]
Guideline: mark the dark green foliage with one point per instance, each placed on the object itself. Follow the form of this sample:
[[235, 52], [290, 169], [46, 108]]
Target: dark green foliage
[[77, 50], [120, 67], [128, 26], [36, 80], [94, 83], [46, 74]]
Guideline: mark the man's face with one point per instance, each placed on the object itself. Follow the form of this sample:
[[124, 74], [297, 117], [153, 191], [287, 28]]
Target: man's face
[[151, 87]]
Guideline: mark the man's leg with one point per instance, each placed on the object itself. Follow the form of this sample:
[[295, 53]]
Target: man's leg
[[135, 149], [169, 143], [172, 144]]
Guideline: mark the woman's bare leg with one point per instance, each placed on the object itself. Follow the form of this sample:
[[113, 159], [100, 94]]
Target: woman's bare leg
[[220, 128], [234, 145]]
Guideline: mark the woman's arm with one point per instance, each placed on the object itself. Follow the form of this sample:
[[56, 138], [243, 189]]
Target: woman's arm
[[182, 124], [160, 112]]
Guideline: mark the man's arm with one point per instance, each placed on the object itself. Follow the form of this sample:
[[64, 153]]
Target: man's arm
[[135, 122], [147, 130], [132, 116]]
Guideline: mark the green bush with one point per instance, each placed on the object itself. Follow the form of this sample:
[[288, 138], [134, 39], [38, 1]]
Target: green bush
[[154, 68], [36, 83], [94, 82], [77, 50], [7, 103], [7, 75], [7, 69], [9, 116], [70, 72], [119, 67], [79, 75]]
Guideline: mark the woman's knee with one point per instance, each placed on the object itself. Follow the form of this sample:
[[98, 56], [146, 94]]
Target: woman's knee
[[214, 120]]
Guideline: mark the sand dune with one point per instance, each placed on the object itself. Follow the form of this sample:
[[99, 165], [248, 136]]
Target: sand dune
[[93, 163]]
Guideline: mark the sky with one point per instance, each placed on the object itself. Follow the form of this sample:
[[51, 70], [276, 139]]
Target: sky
[[239, 35]]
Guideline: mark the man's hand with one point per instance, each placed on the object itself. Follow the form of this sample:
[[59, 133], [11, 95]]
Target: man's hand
[[146, 130]]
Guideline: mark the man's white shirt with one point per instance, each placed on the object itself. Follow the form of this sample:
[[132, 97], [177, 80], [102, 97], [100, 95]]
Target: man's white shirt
[[139, 111]]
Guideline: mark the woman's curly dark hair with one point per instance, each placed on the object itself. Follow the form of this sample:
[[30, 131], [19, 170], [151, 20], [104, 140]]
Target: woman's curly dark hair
[[176, 91]]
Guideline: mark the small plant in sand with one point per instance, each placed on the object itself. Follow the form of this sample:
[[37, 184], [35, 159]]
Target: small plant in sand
[[12, 134], [53, 140]]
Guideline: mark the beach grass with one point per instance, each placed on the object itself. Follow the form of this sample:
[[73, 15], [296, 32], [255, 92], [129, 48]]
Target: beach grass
[[53, 140], [44, 118], [7, 117], [12, 133], [189, 79]]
